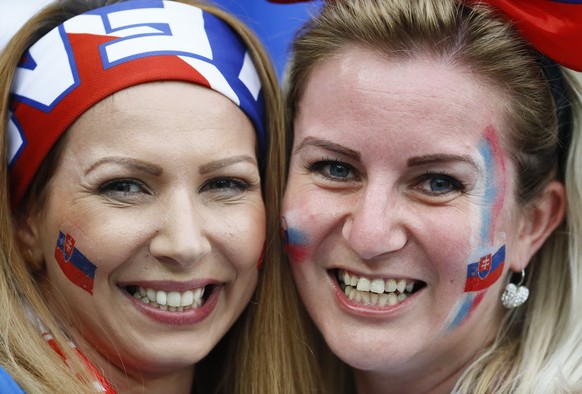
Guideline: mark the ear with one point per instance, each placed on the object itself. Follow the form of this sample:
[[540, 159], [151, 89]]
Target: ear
[[28, 237], [540, 219]]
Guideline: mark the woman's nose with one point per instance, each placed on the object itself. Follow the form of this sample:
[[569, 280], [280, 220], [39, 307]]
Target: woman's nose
[[374, 227], [182, 235]]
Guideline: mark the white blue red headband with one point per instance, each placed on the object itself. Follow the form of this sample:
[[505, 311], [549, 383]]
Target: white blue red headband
[[98, 53]]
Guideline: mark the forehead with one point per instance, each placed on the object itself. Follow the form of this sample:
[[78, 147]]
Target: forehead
[[361, 90], [159, 109]]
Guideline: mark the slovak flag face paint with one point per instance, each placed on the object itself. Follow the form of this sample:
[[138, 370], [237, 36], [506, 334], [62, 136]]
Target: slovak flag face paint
[[96, 54], [76, 267], [483, 273]]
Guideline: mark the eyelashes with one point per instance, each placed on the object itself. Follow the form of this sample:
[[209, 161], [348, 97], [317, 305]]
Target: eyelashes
[[333, 170], [439, 184], [431, 185], [120, 189], [134, 190]]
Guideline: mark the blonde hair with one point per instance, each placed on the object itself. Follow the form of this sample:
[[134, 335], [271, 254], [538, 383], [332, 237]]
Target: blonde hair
[[263, 351], [539, 345]]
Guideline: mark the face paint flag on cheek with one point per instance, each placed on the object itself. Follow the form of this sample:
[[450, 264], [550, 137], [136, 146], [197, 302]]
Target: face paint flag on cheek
[[486, 271], [93, 55], [76, 267], [296, 243]]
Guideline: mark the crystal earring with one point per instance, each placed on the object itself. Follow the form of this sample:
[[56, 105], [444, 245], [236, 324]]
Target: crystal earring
[[515, 295]]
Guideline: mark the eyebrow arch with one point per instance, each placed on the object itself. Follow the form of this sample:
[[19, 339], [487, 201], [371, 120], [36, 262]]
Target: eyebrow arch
[[130, 163], [441, 158], [218, 164], [328, 145]]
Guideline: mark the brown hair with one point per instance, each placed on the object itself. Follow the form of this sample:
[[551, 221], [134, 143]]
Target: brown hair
[[264, 350]]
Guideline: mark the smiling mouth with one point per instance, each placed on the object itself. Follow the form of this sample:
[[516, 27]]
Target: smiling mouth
[[378, 291], [172, 301]]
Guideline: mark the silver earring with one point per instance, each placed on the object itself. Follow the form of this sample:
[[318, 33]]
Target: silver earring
[[515, 295]]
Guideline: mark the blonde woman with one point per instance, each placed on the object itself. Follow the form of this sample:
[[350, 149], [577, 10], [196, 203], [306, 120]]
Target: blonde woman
[[427, 191]]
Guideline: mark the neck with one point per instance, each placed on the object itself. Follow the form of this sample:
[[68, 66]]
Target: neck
[[371, 382]]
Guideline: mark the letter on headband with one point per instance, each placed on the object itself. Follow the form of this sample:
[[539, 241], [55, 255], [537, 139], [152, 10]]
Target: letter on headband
[[96, 54]]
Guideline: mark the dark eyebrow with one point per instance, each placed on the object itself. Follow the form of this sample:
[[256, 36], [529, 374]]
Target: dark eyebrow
[[328, 145], [218, 164], [441, 158], [133, 164]]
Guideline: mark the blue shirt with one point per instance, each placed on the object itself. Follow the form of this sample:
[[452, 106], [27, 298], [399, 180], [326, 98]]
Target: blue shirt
[[7, 384]]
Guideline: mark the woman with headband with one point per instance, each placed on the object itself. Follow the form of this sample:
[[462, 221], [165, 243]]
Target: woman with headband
[[425, 205], [142, 167]]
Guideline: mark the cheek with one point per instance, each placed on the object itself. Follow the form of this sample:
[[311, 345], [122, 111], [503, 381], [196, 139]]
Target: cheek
[[480, 276], [464, 309], [72, 252], [309, 216], [242, 237], [297, 245]]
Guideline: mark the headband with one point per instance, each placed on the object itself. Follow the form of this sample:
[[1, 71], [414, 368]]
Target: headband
[[95, 54]]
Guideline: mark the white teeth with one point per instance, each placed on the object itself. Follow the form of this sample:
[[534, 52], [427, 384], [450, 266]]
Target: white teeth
[[172, 301], [390, 286], [382, 299], [377, 286], [363, 284], [187, 298], [401, 286], [198, 293], [161, 297], [346, 278], [392, 299], [151, 293], [374, 291]]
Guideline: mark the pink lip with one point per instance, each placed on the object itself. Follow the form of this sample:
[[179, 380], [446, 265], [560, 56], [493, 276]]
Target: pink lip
[[367, 310], [184, 318]]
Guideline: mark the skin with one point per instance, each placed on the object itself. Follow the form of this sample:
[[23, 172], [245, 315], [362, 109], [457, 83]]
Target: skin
[[160, 187], [388, 180]]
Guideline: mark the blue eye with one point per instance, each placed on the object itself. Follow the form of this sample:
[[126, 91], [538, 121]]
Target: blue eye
[[339, 170], [334, 170], [438, 185]]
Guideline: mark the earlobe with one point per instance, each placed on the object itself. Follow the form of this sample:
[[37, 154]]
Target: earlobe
[[29, 241], [542, 218]]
